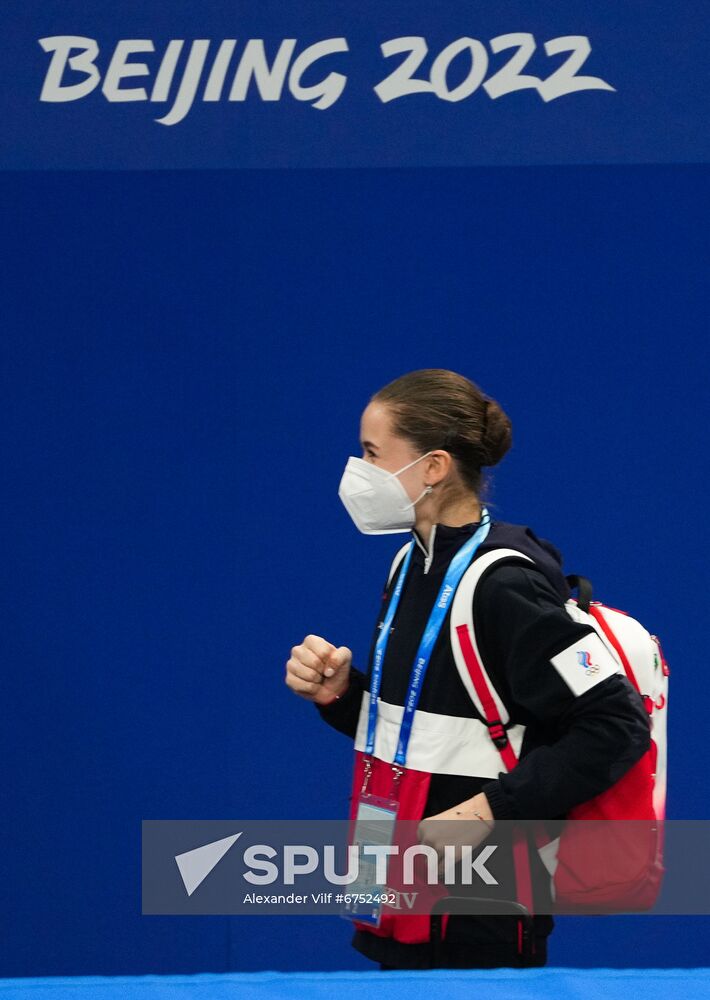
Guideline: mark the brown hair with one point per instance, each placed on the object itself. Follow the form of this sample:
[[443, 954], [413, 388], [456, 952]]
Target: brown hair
[[436, 408]]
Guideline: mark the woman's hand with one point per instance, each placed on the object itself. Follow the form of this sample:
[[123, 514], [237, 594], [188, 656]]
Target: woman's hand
[[469, 822], [318, 671], [473, 808]]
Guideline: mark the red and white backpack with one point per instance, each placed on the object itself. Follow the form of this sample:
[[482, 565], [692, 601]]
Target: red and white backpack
[[621, 869]]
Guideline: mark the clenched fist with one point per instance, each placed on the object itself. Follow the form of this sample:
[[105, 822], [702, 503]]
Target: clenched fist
[[318, 671]]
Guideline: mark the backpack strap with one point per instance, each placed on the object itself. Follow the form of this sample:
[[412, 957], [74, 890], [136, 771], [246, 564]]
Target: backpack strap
[[468, 658], [598, 615], [396, 562], [489, 703]]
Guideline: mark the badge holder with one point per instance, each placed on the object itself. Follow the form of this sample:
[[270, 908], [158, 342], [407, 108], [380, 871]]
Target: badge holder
[[375, 822]]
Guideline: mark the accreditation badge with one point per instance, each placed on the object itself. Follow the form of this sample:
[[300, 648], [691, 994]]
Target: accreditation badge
[[374, 827]]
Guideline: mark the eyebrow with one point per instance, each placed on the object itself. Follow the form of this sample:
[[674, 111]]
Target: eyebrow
[[369, 444]]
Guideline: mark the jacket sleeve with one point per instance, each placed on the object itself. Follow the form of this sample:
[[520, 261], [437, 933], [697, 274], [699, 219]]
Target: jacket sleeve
[[344, 713], [556, 676]]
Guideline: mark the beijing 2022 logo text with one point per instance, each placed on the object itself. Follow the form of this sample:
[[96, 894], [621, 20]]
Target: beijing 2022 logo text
[[180, 72]]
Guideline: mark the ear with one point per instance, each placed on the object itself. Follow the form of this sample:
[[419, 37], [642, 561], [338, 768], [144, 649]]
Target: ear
[[438, 466]]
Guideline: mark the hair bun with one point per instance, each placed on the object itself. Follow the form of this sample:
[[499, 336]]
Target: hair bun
[[496, 433]]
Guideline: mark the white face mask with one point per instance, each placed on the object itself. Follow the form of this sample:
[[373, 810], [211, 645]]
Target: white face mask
[[375, 499]]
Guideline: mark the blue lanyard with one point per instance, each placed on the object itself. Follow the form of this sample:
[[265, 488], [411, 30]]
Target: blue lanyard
[[458, 566]]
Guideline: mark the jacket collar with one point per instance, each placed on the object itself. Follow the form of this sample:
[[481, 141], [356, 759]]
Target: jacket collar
[[443, 541]]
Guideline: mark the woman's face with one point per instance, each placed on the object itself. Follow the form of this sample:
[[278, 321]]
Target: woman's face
[[387, 451]]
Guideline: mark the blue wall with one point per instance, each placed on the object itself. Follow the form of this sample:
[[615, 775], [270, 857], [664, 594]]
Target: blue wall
[[186, 356]]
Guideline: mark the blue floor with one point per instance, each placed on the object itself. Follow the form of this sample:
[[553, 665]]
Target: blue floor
[[494, 984]]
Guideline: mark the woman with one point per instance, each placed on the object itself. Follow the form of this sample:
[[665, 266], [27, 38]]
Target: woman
[[426, 438]]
